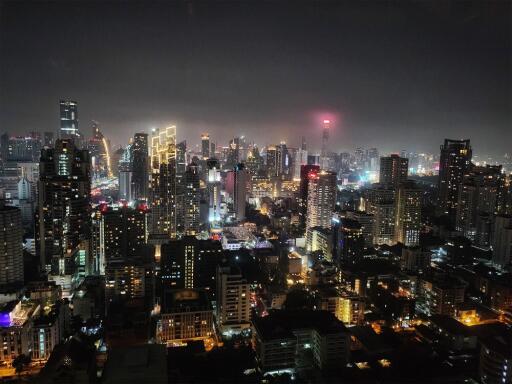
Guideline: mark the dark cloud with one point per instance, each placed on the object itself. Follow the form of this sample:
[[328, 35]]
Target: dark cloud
[[396, 74]]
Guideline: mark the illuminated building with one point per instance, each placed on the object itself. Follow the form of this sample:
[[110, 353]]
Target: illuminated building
[[124, 278], [190, 263], [320, 239], [408, 214], [455, 162], [69, 122], [325, 142], [348, 241], [181, 167], [126, 185], [495, 353], [233, 300], [321, 199], [393, 170], [63, 217], [481, 195], [99, 151], [205, 146], [163, 181], [118, 232], [186, 315], [16, 329], [21, 148], [379, 201], [350, 309], [502, 241], [283, 335], [441, 294], [367, 222], [305, 172], [140, 178], [214, 187], [254, 162], [233, 153], [48, 329], [191, 200], [11, 250], [236, 186], [271, 160]]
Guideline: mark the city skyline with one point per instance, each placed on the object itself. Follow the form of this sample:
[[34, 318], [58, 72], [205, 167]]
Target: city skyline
[[438, 71]]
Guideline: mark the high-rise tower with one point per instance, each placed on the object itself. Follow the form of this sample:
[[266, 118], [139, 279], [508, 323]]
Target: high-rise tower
[[140, 178], [69, 121], [163, 181], [455, 162], [393, 170], [205, 146], [63, 219]]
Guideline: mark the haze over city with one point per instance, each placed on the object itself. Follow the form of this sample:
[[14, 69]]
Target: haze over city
[[264, 69]]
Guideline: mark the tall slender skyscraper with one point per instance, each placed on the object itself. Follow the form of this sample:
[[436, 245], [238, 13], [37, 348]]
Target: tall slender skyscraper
[[237, 180], [126, 184], [408, 214], [192, 199], [455, 162], [321, 199], [140, 178], [11, 251], [69, 121], [325, 142], [214, 199], [205, 146], [163, 181], [63, 219], [306, 172]]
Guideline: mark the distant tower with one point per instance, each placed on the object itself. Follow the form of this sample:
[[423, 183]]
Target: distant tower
[[205, 146], [140, 177], [325, 142], [237, 185], [69, 121]]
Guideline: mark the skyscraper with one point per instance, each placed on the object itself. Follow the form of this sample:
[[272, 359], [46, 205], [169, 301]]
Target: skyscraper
[[237, 180], [205, 146], [192, 199], [325, 142], [140, 178], [163, 181], [393, 170], [126, 184], [118, 233], [69, 122], [214, 186], [306, 171], [11, 248], [408, 214], [481, 196], [380, 202], [455, 162], [321, 199], [63, 219], [190, 263]]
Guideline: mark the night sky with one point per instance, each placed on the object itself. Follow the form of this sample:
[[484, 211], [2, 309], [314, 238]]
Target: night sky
[[397, 75]]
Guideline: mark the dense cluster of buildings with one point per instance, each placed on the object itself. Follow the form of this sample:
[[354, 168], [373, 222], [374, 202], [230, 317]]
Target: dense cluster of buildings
[[320, 264]]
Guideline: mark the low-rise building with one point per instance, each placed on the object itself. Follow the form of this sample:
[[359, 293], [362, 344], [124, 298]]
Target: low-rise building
[[282, 335]]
